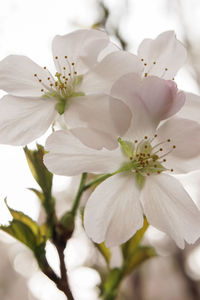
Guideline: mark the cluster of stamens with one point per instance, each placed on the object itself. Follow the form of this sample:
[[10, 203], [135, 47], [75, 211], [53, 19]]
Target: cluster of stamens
[[145, 158], [63, 83], [150, 67]]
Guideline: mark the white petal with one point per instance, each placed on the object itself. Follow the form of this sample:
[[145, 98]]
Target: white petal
[[191, 108], [163, 52], [185, 135], [112, 67], [113, 212], [22, 120], [94, 111], [94, 138], [17, 76], [110, 48], [81, 47], [169, 208], [191, 183], [68, 156]]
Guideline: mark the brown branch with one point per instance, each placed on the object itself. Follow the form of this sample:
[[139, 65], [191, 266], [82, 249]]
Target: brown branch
[[63, 284]]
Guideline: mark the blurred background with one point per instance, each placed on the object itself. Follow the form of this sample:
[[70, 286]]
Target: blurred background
[[27, 28]]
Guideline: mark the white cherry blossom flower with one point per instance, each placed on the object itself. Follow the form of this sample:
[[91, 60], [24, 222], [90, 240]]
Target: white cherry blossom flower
[[86, 64], [141, 171]]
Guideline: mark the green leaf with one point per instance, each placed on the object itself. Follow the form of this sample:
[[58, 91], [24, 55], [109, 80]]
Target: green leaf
[[18, 215], [39, 194], [129, 247], [38, 169], [45, 231], [141, 254], [42, 176], [104, 251], [22, 233], [27, 231]]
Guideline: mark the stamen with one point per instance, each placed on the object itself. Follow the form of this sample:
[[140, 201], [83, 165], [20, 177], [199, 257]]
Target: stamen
[[57, 63]]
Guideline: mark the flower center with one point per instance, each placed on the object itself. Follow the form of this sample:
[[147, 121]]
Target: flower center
[[144, 157], [63, 85]]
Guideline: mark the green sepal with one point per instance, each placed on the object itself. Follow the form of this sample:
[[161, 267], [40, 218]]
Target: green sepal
[[42, 176], [110, 287], [142, 253], [104, 251], [133, 253], [67, 221], [127, 147], [128, 248], [140, 179], [61, 105]]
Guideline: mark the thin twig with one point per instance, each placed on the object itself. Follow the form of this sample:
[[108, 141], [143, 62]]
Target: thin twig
[[63, 282]]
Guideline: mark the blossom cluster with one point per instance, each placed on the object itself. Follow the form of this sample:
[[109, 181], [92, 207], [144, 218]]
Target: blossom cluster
[[121, 115]]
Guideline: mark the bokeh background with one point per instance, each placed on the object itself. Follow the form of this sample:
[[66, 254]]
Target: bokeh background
[[27, 27]]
